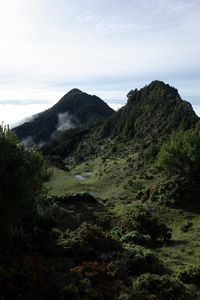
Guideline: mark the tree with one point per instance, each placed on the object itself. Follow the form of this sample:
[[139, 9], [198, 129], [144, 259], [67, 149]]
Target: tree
[[21, 178], [181, 154], [179, 162]]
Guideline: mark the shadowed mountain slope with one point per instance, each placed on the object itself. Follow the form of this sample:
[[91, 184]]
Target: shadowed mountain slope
[[74, 109]]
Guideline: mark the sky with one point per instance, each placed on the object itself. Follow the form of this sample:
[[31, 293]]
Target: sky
[[103, 47]]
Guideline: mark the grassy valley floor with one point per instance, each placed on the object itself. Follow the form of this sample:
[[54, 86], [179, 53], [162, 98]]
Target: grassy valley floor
[[114, 186]]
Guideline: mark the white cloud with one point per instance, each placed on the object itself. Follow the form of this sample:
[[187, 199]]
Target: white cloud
[[115, 106], [65, 121], [13, 114], [196, 109]]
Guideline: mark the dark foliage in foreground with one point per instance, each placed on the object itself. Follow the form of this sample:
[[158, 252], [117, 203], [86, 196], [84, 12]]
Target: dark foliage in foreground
[[21, 177]]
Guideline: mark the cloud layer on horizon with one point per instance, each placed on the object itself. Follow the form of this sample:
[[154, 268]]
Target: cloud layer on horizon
[[16, 114]]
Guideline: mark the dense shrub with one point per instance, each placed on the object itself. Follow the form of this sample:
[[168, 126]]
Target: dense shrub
[[142, 260], [141, 219], [134, 237], [88, 242], [190, 274], [171, 190], [117, 232], [186, 227], [129, 237], [164, 287]]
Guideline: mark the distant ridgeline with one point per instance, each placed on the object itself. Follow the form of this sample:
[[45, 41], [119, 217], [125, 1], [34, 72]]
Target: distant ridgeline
[[149, 117], [72, 110]]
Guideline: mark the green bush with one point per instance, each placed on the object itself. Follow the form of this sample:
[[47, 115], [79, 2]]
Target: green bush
[[88, 242], [186, 227], [171, 190], [134, 237], [141, 219], [129, 237], [190, 274], [142, 260], [164, 287], [117, 232]]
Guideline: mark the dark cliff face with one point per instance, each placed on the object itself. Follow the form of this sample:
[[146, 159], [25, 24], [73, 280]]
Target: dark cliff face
[[153, 111], [76, 108]]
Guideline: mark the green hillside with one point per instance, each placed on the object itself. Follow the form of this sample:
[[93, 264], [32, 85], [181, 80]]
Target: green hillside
[[150, 113], [117, 209]]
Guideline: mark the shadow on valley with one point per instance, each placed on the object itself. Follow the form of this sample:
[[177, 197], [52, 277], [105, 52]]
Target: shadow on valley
[[71, 211]]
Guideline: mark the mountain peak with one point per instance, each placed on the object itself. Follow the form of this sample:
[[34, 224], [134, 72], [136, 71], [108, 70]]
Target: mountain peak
[[155, 90], [76, 108], [155, 110], [157, 84], [74, 92]]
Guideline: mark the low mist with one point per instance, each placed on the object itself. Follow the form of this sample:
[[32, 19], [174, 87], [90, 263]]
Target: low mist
[[65, 122]]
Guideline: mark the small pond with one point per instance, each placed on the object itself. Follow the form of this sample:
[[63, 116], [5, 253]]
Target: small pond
[[80, 177]]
